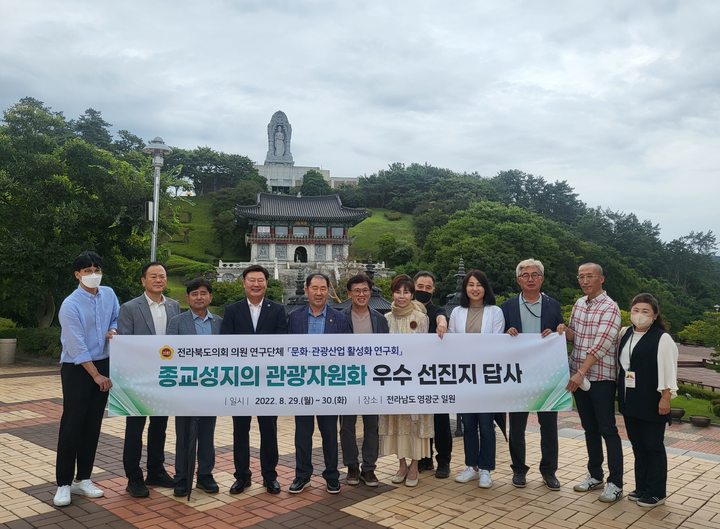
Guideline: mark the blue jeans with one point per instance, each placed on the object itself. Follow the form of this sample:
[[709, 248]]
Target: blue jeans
[[479, 440]]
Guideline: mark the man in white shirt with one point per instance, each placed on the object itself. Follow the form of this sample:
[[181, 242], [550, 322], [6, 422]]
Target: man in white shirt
[[149, 313]]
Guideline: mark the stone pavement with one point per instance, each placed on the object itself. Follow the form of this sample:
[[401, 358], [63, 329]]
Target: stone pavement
[[30, 407]]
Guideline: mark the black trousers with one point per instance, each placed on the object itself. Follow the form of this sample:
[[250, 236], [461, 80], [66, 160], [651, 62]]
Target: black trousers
[[442, 440], [205, 445], [268, 447], [596, 408], [647, 439], [83, 409], [548, 441], [370, 444], [132, 448], [304, 428]]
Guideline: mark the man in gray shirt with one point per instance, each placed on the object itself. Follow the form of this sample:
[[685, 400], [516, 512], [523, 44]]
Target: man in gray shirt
[[363, 320]]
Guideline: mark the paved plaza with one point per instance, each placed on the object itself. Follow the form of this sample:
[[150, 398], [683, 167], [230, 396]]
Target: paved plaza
[[30, 408]]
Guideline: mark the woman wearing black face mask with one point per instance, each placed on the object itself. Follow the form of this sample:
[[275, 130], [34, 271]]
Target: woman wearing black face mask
[[647, 380]]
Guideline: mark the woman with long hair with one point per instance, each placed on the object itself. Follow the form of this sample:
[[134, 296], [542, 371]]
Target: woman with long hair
[[477, 313]]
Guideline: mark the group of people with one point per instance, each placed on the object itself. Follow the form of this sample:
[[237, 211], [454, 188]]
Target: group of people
[[638, 364]]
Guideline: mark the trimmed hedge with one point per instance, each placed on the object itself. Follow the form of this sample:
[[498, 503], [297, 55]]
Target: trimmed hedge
[[36, 342], [697, 392]]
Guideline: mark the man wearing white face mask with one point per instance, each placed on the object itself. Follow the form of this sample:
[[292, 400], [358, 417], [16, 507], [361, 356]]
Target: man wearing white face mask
[[88, 320]]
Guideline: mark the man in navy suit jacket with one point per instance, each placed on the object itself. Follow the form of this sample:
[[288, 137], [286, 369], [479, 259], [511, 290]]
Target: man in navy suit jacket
[[316, 318], [255, 315], [197, 320], [146, 314], [534, 312]]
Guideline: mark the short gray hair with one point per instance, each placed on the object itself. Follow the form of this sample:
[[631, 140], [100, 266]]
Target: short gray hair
[[598, 268], [527, 263]]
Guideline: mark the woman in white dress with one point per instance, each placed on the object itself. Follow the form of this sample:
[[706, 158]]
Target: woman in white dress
[[408, 436]]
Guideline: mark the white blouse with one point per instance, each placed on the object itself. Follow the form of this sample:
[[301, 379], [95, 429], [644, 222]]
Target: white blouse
[[667, 358], [493, 320]]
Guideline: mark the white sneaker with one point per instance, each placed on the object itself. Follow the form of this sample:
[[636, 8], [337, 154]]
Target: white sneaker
[[611, 493], [86, 488], [62, 496], [589, 483], [484, 481], [466, 475]]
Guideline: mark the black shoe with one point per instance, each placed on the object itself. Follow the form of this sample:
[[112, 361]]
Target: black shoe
[[634, 496], [443, 471], [518, 480], [551, 481], [161, 480], [424, 464], [332, 486], [298, 485], [353, 475], [272, 486], [180, 489], [369, 478], [207, 483], [650, 501], [240, 485], [137, 488]]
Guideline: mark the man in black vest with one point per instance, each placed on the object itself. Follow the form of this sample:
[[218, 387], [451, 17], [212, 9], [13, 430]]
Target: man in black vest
[[255, 315], [533, 312]]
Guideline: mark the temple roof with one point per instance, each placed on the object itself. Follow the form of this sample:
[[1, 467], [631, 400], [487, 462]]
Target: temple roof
[[287, 207]]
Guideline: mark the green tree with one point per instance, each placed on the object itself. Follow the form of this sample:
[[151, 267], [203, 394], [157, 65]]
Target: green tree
[[58, 196], [314, 184], [92, 128], [209, 170]]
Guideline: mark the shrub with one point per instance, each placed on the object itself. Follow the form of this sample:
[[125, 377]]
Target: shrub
[[697, 392], [393, 215], [6, 324], [36, 342]]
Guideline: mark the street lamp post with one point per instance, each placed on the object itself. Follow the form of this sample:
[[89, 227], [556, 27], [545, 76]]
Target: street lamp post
[[158, 149]]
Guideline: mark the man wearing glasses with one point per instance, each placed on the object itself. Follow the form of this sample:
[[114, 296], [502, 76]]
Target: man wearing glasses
[[593, 331], [533, 312], [363, 320]]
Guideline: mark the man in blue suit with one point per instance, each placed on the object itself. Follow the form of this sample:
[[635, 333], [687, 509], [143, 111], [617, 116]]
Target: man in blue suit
[[197, 320], [533, 312], [146, 314], [255, 314], [316, 318]]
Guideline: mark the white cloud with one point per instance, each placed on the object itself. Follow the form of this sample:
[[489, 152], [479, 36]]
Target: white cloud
[[621, 99]]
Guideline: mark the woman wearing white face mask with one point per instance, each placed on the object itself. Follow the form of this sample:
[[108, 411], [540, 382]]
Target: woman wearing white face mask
[[647, 380]]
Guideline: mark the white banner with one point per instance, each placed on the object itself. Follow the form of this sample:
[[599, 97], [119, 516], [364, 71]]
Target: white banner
[[337, 374]]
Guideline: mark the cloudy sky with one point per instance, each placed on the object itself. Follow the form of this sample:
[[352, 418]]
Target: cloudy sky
[[619, 98]]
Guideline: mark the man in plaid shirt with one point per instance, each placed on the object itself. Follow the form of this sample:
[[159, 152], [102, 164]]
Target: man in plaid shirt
[[593, 330]]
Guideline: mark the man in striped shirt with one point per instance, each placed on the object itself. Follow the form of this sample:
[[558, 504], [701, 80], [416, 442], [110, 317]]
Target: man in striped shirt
[[593, 330]]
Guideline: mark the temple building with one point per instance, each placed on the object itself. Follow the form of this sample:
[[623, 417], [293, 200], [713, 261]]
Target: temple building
[[286, 228]]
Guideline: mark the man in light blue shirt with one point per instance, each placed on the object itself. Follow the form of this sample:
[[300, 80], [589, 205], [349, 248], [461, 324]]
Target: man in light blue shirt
[[88, 319]]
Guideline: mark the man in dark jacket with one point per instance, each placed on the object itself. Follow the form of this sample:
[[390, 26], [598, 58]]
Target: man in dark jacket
[[424, 290], [533, 312], [363, 320], [316, 318], [255, 314]]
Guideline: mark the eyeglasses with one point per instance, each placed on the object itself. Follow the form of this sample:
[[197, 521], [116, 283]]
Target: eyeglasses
[[360, 291], [587, 276], [527, 276]]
